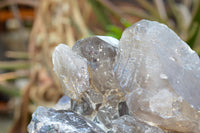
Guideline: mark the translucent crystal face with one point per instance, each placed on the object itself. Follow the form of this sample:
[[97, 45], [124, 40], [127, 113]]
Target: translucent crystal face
[[160, 76], [153, 56], [97, 52], [72, 71], [100, 57]]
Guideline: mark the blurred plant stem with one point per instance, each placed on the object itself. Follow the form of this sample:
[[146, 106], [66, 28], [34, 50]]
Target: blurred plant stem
[[17, 55], [9, 90], [161, 9], [6, 3], [118, 14], [14, 65], [77, 17], [195, 27], [14, 75], [100, 13], [22, 115], [150, 8]]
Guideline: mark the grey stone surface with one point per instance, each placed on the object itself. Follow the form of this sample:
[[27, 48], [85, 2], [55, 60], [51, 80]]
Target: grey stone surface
[[48, 120]]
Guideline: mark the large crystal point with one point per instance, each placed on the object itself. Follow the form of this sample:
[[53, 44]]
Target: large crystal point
[[160, 75], [48, 120], [72, 71]]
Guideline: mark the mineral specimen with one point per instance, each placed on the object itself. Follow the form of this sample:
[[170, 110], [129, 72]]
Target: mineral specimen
[[148, 82]]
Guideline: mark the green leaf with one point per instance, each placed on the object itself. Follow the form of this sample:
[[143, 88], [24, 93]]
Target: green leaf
[[114, 31]]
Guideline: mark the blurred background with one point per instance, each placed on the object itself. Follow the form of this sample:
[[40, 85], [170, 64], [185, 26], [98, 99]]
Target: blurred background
[[30, 29]]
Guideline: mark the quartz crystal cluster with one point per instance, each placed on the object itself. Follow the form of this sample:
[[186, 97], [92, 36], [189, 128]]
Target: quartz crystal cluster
[[148, 82]]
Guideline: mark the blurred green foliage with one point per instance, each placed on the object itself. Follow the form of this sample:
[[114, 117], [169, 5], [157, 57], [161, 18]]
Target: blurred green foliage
[[115, 31], [196, 28], [182, 16]]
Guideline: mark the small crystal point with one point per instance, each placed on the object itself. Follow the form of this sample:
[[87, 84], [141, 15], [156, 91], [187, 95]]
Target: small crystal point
[[64, 103], [72, 71]]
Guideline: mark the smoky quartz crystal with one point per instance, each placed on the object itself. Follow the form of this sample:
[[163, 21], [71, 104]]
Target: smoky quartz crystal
[[147, 82]]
